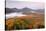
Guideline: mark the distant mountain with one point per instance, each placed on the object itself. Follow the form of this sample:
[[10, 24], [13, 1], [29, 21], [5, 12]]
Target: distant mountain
[[9, 10], [23, 10], [26, 9], [40, 10]]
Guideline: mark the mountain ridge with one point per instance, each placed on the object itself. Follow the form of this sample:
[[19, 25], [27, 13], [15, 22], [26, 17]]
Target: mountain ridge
[[12, 10]]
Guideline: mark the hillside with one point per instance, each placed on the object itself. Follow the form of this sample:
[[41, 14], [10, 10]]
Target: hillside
[[32, 21]]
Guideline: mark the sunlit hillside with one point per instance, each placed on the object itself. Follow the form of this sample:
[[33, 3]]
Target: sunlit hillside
[[32, 21]]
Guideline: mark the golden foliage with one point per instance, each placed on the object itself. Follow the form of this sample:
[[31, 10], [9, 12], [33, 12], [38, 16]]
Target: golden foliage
[[24, 21]]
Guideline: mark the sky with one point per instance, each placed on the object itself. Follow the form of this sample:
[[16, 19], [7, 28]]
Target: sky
[[22, 4]]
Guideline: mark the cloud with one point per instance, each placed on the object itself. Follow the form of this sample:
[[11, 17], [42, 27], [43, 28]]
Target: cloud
[[22, 4]]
